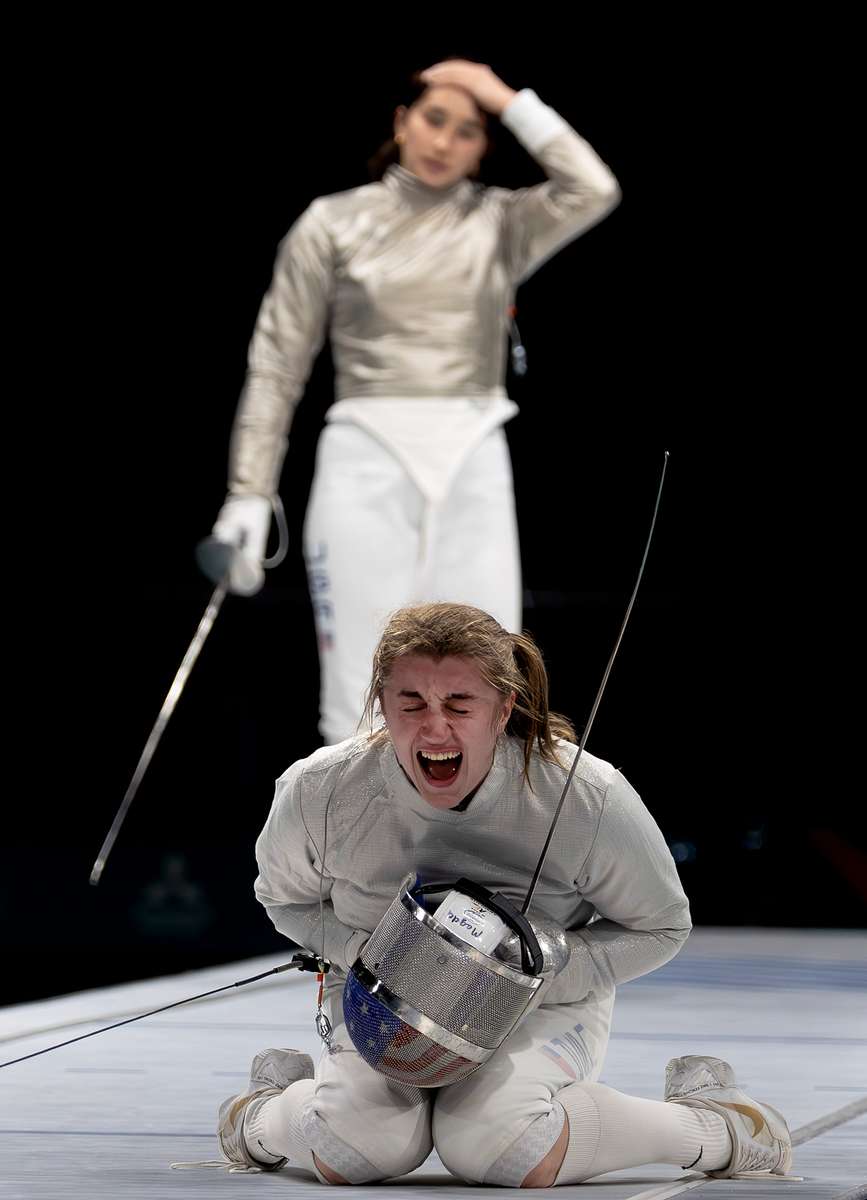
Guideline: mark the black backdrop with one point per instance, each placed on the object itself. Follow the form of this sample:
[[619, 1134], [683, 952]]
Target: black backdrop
[[177, 164]]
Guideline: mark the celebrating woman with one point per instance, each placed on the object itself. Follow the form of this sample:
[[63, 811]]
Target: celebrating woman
[[463, 779]]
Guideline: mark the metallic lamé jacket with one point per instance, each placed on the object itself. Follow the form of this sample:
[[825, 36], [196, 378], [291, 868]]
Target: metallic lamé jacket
[[413, 284]]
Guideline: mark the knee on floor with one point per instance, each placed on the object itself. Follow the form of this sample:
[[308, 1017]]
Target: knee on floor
[[401, 1162], [365, 1158], [504, 1150]]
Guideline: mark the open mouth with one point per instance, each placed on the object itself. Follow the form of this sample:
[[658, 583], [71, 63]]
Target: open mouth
[[440, 766]]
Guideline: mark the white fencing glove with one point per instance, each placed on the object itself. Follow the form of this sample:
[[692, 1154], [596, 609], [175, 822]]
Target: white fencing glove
[[554, 946], [235, 551]]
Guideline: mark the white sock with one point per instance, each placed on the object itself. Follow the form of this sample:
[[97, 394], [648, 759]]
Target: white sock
[[288, 1126], [609, 1131], [272, 1127]]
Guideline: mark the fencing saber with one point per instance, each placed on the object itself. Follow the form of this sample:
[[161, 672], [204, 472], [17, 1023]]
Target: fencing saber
[[174, 694], [222, 556], [596, 702]]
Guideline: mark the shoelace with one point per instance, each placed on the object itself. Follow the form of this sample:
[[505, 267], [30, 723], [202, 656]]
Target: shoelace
[[764, 1177], [231, 1167], [759, 1158]]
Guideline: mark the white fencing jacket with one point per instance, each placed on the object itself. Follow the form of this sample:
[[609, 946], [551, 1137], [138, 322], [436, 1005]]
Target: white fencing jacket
[[348, 819]]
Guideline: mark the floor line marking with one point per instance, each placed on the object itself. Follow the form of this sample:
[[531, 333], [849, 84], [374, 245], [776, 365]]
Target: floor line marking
[[806, 1133]]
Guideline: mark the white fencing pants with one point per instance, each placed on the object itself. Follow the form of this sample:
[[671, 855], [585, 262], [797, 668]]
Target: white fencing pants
[[495, 1126], [373, 542], [366, 1127]]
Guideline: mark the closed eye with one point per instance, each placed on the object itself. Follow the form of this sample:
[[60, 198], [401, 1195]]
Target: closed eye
[[459, 712]]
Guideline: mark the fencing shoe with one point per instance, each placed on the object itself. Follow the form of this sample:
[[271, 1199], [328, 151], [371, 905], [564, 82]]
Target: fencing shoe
[[271, 1073], [759, 1134]]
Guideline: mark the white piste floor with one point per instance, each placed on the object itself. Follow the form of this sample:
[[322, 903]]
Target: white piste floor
[[106, 1117]]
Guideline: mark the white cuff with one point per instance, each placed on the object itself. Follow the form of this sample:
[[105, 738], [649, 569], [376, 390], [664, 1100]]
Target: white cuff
[[533, 123]]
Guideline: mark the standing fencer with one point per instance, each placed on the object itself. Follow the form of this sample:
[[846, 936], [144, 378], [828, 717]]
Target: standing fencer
[[462, 779], [414, 276]]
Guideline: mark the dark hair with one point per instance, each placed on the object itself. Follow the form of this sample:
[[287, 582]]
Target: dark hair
[[509, 662], [389, 152]]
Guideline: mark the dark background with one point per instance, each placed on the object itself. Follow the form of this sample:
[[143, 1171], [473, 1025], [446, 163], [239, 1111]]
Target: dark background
[[174, 165]]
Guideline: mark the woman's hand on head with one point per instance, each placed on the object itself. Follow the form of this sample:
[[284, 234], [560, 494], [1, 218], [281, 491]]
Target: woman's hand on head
[[486, 88]]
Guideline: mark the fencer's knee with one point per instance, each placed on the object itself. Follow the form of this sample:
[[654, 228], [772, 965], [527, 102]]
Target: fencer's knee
[[464, 1144], [497, 1140], [402, 1159], [400, 1164], [464, 1162], [507, 1153], [357, 1154], [364, 1164]]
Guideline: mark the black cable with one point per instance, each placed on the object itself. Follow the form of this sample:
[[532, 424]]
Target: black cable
[[300, 962]]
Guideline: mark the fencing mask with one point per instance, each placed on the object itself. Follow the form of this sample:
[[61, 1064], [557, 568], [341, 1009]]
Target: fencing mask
[[434, 994]]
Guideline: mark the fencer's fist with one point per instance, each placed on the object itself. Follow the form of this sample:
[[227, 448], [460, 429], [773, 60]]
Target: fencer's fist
[[552, 942], [486, 88], [235, 551], [555, 952]]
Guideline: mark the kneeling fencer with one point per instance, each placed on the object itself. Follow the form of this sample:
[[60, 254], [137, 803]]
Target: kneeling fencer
[[455, 1022]]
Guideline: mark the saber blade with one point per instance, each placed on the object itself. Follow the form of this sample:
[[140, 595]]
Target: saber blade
[[540, 864], [174, 694]]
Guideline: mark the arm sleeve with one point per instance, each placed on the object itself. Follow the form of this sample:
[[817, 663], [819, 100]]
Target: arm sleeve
[[580, 189], [630, 878], [289, 873], [289, 333]]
